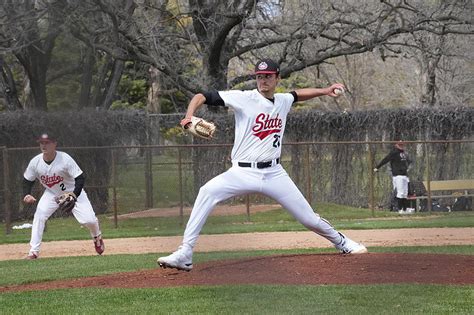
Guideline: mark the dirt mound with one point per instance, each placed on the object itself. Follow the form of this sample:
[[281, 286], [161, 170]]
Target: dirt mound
[[373, 268]]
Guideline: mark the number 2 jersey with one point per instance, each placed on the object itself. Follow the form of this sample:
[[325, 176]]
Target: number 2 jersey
[[56, 177], [259, 124]]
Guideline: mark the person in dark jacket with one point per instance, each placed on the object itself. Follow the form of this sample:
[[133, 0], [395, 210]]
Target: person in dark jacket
[[399, 164]]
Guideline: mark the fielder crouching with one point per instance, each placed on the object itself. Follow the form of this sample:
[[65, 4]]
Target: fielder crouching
[[60, 175], [260, 119]]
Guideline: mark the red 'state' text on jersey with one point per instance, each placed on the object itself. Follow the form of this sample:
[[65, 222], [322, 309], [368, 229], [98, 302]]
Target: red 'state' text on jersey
[[264, 125]]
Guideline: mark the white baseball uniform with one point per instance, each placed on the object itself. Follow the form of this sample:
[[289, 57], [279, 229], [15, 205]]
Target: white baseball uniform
[[259, 127], [57, 178]]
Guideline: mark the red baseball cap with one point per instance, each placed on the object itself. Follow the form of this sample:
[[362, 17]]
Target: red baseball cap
[[266, 66], [45, 138]]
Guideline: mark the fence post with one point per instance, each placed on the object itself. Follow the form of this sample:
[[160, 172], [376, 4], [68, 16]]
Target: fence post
[[148, 179], [7, 193], [180, 184], [114, 188], [309, 195], [370, 158], [428, 176]]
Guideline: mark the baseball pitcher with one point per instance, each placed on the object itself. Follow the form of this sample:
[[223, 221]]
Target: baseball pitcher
[[260, 118]]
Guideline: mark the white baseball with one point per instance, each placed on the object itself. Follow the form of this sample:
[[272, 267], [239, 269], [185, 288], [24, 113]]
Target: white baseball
[[339, 91]]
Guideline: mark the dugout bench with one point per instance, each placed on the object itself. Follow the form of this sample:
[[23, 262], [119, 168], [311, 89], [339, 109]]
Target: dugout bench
[[458, 187]]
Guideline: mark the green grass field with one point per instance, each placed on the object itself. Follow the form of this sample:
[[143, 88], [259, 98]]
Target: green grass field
[[276, 220], [265, 299], [229, 299]]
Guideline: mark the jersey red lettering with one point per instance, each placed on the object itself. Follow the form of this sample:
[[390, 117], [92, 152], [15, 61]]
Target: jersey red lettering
[[50, 181], [264, 125], [259, 123], [264, 122]]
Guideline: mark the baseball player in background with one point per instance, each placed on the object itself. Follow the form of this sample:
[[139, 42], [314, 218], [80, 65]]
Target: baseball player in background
[[399, 165], [58, 173], [260, 117]]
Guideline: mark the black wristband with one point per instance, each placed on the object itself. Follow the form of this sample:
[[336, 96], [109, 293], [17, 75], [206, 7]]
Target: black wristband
[[27, 186], [79, 184]]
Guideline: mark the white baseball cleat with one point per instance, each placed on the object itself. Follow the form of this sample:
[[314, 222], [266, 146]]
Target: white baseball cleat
[[348, 246], [180, 259]]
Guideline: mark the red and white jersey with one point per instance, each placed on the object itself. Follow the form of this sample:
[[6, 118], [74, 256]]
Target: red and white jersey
[[259, 124], [56, 177]]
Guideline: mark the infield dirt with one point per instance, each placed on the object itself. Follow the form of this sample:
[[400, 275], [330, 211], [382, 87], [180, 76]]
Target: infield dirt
[[248, 241]]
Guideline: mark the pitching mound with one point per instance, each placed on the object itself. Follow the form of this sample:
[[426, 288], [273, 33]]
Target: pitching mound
[[373, 268]]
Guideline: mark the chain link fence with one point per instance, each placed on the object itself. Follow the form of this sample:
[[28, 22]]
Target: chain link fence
[[126, 180]]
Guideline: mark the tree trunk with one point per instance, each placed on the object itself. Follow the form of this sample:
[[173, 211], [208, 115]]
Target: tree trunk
[[86, 82], [38, 89], [428, 94], [35, 63], [7, 84], [153, 101], [114, 81], [100, 86]]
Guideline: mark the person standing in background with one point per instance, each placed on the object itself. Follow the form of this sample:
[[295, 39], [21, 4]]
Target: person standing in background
[[399, 164]]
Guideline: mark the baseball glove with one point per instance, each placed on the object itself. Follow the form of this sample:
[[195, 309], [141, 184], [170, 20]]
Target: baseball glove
[[200, 127], [66, 202]]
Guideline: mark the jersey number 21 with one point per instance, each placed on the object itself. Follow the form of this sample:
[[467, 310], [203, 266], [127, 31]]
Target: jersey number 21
[[276, 142]]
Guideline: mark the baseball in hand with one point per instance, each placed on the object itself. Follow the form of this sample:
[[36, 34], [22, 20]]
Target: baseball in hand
[[339, 91], [29, 199]]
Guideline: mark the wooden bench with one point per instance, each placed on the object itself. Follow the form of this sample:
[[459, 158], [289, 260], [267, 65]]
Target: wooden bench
[[464, 187]]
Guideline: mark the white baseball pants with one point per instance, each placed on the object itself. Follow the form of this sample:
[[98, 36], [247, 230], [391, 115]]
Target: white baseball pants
[[400, 184], [273, 182], [82, 211]]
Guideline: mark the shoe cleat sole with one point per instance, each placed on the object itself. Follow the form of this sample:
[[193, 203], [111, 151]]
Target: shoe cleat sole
[[165, 265]]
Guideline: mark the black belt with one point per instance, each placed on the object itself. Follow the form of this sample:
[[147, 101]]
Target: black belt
[[259, 164]]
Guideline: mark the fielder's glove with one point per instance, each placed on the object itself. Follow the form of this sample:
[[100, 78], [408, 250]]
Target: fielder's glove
[[66, 202], [199, 127]]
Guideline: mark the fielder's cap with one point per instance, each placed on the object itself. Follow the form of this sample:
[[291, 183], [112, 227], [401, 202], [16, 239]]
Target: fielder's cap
[[45, 137], [265, 66]]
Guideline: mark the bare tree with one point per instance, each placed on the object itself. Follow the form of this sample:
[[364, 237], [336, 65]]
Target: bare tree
[[204, 44], [443, 22], [29, 30], [455, 80], [249, 29]]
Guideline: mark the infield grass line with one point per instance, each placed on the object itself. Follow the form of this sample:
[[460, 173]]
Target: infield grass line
[[342, 218]]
